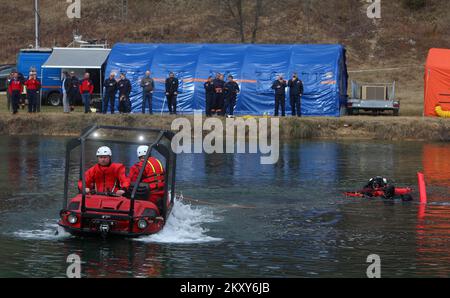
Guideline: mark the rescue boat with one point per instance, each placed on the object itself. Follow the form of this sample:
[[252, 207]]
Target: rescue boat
[[107, 214]]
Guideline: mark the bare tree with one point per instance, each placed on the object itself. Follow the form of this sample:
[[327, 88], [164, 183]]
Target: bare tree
[[258, 11], [235, 9], [241, 10]]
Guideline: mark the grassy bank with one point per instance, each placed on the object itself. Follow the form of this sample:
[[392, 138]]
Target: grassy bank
[[358, 127], [53, 122]]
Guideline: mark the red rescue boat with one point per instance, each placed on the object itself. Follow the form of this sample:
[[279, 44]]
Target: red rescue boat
[[132, 215]]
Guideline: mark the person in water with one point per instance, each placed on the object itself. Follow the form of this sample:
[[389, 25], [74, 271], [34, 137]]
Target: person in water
[[153, 174], [379, 186], [106, 176]]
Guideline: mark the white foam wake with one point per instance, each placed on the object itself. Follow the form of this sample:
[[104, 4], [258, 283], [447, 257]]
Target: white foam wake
[[184, 225], [49, 231]]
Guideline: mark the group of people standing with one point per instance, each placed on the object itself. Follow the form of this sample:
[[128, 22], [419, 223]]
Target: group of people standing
[[15, 86], [112, 86], [220, 96], [295, 93], [74, 90], [123, 87]]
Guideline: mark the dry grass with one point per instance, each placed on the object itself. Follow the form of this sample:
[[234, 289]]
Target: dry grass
[[53, 122], [401, 38]]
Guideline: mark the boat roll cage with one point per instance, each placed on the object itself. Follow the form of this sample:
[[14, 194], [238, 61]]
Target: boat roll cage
[[158, 145]]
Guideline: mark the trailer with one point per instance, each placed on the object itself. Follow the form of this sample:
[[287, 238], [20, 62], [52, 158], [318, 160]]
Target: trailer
[[374, 98]]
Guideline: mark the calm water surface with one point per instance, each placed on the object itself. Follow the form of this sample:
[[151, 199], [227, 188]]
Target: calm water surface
[[284, 220]]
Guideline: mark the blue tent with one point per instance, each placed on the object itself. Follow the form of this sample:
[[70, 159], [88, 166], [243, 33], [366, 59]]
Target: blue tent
[[322, 68]]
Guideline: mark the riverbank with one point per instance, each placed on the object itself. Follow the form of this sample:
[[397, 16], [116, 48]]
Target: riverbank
[[348, 127]]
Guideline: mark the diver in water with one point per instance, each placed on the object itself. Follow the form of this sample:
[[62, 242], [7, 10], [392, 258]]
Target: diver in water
[[383, 188], [379, 186]]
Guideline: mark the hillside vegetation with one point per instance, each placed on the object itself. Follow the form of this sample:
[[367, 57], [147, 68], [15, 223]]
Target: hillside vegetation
[[400, 39]]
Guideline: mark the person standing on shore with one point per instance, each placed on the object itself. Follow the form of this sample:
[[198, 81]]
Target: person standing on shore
[[124, 86], [280, 95], [231, 89], [147, 85], [23, 93], [8, 94], [86, 90], [110, 93], [33, 87], [15, 89], [219, 84], [65, 84], [172, 85], [209, 93], [295, 93], [73, 91]]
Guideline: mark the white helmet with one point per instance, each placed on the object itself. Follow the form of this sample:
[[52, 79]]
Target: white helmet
[[142, 151], [104, 151]]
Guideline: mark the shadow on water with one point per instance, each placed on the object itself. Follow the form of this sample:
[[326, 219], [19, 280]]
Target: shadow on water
[[297, 222]]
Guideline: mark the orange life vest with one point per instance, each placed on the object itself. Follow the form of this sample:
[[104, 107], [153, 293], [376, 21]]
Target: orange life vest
[[153, 175]]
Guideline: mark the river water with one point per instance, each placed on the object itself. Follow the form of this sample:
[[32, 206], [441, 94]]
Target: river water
[[250, 220]]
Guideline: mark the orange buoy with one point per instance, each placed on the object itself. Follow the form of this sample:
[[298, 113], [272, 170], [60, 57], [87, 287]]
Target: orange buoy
[[422, 188]]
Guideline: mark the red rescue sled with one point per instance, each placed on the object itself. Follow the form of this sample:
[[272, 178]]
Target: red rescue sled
[[399, 192]]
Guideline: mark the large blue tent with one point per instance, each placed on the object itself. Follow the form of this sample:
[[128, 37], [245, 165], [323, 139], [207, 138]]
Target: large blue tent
[[322, 68]]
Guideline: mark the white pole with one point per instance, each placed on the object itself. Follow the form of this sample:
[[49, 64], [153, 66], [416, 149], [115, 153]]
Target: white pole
[[36, 22], [40, 92], [164, 102], [101, 90]]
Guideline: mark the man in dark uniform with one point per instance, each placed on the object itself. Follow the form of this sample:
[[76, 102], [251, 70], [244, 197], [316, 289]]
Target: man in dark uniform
[[280, 95], [231, 89], [172, 84], [73, 91], [124, 86], [110, 93], [219, 84], [147, 85], [209, 92], [295, 93]]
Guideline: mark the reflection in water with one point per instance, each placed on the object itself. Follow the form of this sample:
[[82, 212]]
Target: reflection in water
[[433, 222], [300, 225]]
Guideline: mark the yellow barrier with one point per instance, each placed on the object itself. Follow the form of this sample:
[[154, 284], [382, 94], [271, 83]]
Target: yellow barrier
[[441, 113], [251, 116]]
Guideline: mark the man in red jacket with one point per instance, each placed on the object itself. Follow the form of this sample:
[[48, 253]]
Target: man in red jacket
[[105, 176], [15, 89], [153, 175], [86, 90], [33, 86]]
